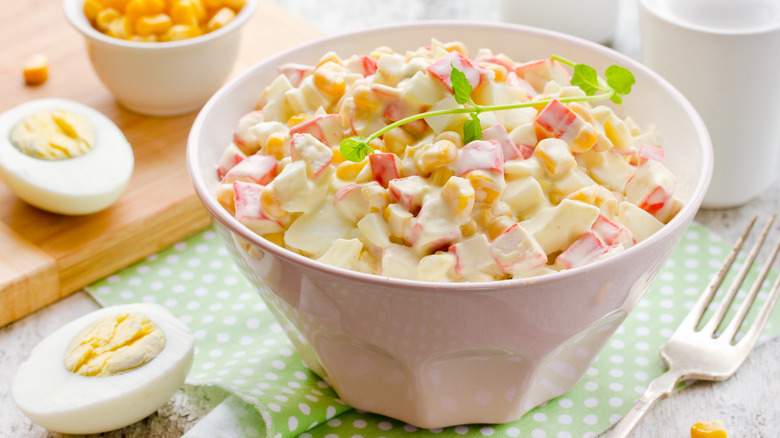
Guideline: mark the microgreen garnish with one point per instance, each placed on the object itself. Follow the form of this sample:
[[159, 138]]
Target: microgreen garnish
[[616, 84], [472, 129], [621, 80], [461, 87], [355, 148]]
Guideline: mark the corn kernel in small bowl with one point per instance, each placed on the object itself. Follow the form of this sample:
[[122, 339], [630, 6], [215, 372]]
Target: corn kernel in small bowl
[[159, 57]]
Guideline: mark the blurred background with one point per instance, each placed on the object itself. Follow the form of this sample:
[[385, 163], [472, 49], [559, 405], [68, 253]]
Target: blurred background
[[339, 16]]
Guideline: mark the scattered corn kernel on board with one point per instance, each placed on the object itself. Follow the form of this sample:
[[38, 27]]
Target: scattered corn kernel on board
[[45, 256]]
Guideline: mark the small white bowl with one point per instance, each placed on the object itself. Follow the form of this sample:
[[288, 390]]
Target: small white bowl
[[162, 78]]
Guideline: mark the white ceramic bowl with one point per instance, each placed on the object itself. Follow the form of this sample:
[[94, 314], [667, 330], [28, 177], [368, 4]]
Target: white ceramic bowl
[[433, 354], [164, 78]]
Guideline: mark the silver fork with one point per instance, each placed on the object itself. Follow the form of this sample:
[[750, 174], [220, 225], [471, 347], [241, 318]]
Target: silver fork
[[705, 354]]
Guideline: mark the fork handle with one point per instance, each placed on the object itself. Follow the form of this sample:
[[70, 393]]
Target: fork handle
[[658, 389]]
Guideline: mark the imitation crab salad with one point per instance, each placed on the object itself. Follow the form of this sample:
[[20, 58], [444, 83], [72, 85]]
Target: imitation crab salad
[[432, 165]]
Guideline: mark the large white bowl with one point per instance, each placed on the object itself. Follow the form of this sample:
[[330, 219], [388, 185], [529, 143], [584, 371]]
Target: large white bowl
[[436, 355], [162, 78]]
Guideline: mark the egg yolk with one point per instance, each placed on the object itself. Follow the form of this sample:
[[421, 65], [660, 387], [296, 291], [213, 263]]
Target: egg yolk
[[113, 345], [53, 135]]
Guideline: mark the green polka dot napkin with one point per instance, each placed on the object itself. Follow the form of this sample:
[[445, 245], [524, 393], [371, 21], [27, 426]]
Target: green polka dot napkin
[[240, 347]]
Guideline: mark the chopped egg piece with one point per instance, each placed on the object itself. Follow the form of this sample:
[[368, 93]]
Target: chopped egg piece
[[63, 156], [105, 370]]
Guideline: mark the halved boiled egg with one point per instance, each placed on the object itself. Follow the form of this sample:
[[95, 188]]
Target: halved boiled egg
[[105, 370], [63, 156]]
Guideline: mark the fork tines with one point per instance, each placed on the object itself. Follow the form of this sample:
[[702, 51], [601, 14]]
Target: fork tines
[[729, 333]]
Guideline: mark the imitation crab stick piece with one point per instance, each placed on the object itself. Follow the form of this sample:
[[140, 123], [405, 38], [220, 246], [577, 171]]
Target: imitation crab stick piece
[[409, 191], [480, 155], [611, 232], [229, 159], [313, 152], [651, 187], [582, 251], [559, 121], [249, 211], [295, 72], [650, 152], [384, 166], [539, 72], [508, 147], [441, 69], [259, 169]]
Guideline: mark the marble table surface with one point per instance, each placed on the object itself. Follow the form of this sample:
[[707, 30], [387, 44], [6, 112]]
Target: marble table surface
[[746, 403]]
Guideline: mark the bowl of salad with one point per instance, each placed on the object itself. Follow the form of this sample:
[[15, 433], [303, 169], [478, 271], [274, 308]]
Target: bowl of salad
[[451, 218]]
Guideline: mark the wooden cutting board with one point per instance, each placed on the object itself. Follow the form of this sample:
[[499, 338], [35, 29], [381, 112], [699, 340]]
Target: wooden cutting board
[[45, 256]]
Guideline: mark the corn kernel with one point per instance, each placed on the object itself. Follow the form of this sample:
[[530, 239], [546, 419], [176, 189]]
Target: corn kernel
[[498, 225], [144, 39], [482, 215], [337, 157], [213, 4], [378, 145], [104, 18], [235, 5], [365, 98], [187, 12], [709, 429], [452, 136], [297, 119], [456, 46], [270, 203], [181, 32], [487, 188], [91, 9], [434, 155], [152, 24], [329, 78], [116, 4], [135, 9], [120, 28], [36, 69], [226, 197], [329, 57], [469, 228], [275, 145], [499, 70], [220, 19], [397, 139], [275, 238], [348, 170], [440, 176]]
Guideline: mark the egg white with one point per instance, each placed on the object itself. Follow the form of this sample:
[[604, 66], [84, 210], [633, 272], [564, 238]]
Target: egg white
[[59, 400], [74, 186]]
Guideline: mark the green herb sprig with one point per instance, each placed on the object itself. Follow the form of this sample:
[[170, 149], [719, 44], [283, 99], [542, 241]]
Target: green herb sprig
[[617, 82]]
